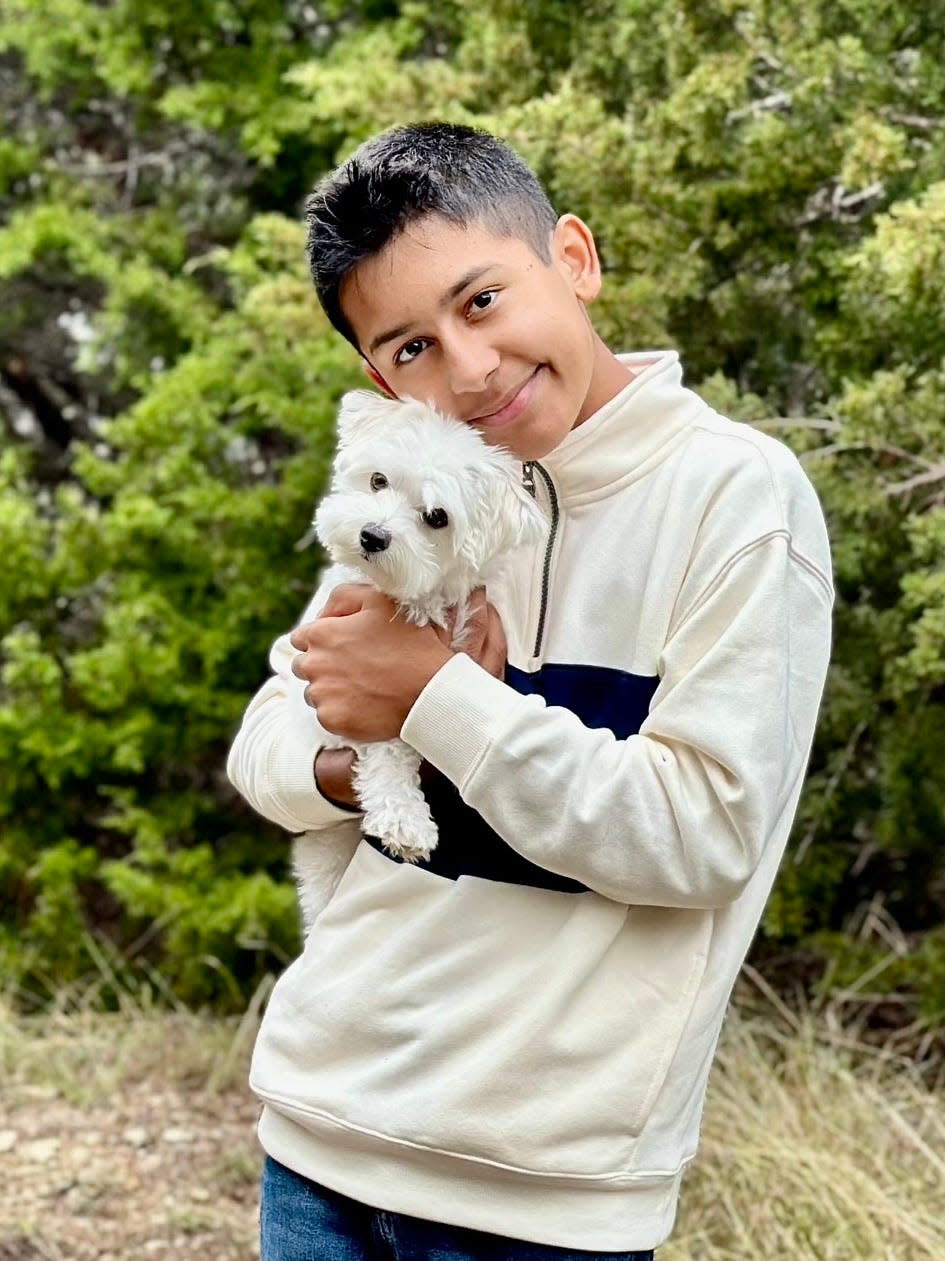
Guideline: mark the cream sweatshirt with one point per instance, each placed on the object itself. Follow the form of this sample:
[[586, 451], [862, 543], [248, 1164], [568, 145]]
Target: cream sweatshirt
[[517, 1036]]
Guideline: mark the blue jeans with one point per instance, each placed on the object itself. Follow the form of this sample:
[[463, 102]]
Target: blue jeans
[[303, 1221]]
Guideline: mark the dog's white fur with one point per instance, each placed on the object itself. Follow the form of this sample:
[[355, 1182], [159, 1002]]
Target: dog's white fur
[[396, 461]]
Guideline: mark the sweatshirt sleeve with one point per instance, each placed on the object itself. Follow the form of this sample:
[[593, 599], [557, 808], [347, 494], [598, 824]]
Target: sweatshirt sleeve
[[679, 814], [272, 759]]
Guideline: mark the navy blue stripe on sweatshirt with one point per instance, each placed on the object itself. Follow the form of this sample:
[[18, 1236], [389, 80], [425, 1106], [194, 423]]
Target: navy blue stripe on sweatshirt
[[598, 695], [467, 846]]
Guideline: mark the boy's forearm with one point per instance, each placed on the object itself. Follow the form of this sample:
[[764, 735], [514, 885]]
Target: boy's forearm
[[271, 759], [334, 774], [334, 777]]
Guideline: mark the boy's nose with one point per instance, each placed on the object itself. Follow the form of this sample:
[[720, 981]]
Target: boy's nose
[[470, 363]]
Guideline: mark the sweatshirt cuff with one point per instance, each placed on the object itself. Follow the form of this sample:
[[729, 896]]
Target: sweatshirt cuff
[[298, 788], [456, 717]]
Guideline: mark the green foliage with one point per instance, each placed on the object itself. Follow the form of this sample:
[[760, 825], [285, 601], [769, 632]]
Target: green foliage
[[766, 184], [139, 623]]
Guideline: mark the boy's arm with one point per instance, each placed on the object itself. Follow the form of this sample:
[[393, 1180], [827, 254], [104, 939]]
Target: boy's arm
[[679, 814], [272, 761], [278, 760]]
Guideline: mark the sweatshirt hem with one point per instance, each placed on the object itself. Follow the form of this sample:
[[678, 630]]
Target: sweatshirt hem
[[634, 1216]]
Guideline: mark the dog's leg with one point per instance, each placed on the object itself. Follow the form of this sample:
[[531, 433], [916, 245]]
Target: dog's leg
[[387, 781]]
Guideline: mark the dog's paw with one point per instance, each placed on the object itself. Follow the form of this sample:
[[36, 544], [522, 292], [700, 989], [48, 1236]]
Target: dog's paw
[[409, 853], [412, 839]]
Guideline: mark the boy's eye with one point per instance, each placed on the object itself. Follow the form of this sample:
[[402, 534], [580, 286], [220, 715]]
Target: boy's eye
[[410, 351], [378, 481], [436, 518], [483, 301]]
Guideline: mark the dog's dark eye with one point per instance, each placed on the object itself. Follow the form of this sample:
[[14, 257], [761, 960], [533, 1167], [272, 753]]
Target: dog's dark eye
[[378, 481], [436, 518]]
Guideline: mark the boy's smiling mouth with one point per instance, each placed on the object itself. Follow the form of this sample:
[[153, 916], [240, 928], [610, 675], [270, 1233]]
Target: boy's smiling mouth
[[513, 406]]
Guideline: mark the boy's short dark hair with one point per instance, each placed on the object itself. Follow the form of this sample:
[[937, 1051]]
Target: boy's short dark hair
[[461, 173]]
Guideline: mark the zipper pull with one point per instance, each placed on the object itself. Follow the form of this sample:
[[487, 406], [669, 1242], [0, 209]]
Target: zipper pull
[[528, 478]]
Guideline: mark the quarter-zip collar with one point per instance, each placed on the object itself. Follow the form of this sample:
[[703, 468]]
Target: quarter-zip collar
[[627, 435]]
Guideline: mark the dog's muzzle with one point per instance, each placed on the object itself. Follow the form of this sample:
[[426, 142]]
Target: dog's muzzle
[[374, 538]]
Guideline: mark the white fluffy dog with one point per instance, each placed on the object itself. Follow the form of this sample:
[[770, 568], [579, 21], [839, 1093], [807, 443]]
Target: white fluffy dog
[[421, 507]]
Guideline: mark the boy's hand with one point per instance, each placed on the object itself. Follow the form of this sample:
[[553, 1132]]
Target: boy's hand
[[483, 635], [365, 665]]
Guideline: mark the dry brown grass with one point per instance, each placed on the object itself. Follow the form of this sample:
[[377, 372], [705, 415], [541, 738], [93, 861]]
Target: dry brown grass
[[130, 1135], [817, 1145]]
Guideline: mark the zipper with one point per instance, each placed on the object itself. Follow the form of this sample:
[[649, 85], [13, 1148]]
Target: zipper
[[528, 481]]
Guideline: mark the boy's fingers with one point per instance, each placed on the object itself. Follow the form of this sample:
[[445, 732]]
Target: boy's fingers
[[494, 647], [350, 597], [299, 637], [472, 631], [477, 618], [485, 638]]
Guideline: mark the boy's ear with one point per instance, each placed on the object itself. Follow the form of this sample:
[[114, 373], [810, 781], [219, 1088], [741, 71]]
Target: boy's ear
[[359, 408], [574, 253], [375, 376]]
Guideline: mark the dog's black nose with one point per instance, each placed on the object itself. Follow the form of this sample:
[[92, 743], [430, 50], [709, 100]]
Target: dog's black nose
[[374, 538]]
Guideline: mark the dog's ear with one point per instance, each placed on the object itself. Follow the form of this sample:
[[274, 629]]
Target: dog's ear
[[525, 521], [360, 409], [505, 517]]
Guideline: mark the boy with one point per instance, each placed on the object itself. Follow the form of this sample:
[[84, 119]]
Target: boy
[[503, 1052]]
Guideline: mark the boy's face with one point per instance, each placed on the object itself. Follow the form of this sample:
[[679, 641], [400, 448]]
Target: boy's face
[[484, 329]]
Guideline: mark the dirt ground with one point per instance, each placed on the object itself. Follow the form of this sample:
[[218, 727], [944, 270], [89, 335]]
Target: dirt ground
[[159, 1175], [160, 1169]]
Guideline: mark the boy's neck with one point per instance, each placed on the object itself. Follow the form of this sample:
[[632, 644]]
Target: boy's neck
[[608, 378]]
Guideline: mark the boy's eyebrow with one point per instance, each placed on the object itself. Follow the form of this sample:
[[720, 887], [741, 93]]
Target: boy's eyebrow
[[454, 291]]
